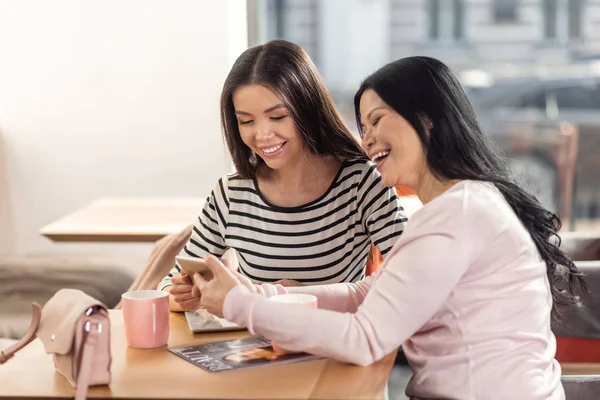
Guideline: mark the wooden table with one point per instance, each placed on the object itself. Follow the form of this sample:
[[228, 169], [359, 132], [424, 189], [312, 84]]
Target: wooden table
[[125, 220], [159, 374]]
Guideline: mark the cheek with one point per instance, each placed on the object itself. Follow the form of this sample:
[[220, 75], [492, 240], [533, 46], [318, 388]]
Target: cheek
[[408, 152], [246, 135], [287, 129], [416, 151]]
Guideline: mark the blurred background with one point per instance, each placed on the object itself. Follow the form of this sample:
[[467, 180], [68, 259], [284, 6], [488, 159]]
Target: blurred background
[[119, 99], [530, 67]]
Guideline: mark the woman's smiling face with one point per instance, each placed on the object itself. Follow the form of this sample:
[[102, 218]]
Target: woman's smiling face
[[391, 142]]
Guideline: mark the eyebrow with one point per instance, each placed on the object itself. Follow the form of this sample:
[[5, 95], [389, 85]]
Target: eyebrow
[[375, 109], [372, 111], [268, 110]]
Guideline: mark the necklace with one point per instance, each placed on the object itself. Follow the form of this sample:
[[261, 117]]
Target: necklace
[[313, 168]]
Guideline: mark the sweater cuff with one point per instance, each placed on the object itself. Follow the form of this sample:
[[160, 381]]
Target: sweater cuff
[[238, 306]]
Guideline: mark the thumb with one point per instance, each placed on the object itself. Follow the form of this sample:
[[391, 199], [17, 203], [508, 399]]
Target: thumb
[[218, 268], [198, 286], [199, 281], [214, 264]]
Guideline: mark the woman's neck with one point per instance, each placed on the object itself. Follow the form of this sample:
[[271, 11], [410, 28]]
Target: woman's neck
[[305, 181], [430, 187], [310, 169]]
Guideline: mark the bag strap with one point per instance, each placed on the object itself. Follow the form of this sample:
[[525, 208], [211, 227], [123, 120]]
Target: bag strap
[[83, 378], [25, 340]]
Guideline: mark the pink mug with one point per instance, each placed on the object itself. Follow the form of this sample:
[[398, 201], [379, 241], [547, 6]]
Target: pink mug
[[299, 299], [146, 318]]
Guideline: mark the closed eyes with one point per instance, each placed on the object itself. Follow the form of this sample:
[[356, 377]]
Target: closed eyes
[[248, 122]]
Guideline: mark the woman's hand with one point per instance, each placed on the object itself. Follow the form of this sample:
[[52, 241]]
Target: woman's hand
[[215, 290], [244, 280], [181, 291]]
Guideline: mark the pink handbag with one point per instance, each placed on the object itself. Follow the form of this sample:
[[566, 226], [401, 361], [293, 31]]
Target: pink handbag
[[75, 329]]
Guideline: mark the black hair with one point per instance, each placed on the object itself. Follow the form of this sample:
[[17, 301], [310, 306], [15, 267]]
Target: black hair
[[424, 90]]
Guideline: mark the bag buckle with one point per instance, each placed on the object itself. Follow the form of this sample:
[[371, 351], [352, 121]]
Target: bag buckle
[[88, 326]]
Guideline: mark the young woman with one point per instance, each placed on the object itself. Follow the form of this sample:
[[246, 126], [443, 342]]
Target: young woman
[[305, 203], [469, 288]]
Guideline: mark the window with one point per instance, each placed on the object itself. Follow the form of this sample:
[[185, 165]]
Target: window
[[550, 14], [434, 19], [458, 20], [293, 20], [581, 97], [575, 8], [505, 11], [562, 19], [537, 101], [446, 20]]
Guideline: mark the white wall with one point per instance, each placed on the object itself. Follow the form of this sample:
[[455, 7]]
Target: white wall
[[111, 98]]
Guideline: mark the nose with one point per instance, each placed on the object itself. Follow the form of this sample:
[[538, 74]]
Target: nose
[[367, 140], [263, 132]]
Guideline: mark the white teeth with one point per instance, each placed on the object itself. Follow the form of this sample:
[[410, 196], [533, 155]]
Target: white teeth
[[379, 155], [272, 149]]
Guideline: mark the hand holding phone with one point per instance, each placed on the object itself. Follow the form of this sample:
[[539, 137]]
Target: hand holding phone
[[194, 265]]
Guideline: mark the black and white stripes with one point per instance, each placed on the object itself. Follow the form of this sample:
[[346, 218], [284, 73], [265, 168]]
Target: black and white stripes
[[324, 241]]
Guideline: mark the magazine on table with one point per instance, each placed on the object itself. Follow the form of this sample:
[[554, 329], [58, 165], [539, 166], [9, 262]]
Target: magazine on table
[[235, 354]]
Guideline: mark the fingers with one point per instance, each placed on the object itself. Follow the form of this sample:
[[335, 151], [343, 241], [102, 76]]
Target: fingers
[[180, 289], [199, 282], [192, 304], [196, 291], [185, 300], [214, 264], [184, 297], [181, 279], [244, 280]]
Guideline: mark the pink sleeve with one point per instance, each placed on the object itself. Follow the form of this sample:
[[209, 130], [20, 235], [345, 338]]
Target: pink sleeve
[[342, 297], [412, 285]]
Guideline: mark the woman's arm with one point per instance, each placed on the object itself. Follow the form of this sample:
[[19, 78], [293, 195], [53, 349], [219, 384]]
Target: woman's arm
[[340, 297], [414, 282]]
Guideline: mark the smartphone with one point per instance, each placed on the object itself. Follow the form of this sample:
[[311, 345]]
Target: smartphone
[[194, 265]]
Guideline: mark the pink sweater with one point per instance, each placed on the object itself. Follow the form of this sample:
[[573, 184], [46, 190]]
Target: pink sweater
[[463, 291]]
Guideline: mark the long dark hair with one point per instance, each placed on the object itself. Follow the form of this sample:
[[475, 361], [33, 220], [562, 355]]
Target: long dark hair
[[287, 70], [424, 89]]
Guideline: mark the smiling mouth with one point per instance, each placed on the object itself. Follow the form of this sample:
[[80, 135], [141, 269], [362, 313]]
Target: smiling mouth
[[273, 150], [380, 157]]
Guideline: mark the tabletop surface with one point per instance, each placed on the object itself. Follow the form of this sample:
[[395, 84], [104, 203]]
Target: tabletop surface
[[159, 374], [125, 220]]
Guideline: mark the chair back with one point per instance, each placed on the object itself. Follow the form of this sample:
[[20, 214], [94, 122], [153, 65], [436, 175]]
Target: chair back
[[581, 387], [578, 332]]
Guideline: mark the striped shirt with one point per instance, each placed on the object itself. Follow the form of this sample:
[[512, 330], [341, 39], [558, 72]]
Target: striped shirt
[[324, 241]]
